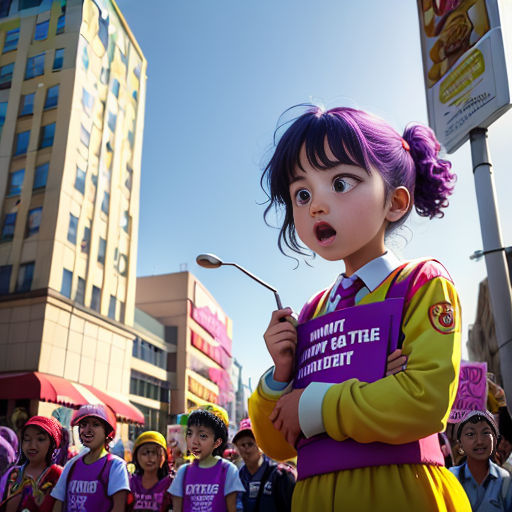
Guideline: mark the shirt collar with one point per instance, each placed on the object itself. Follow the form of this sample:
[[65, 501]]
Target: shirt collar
[[375, 271], [493, 469], [493, 472]]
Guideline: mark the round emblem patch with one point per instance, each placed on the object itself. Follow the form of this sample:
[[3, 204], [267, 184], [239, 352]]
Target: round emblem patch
[[441, 317]]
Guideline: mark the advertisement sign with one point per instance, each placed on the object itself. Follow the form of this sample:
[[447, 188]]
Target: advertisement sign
[[465, 56], [472, 391], [211, 323], [202, 391], [214, 352]]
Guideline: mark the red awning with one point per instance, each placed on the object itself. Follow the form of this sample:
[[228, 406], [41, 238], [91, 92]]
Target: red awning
[[40, 386], [124, 410], [57, 390]]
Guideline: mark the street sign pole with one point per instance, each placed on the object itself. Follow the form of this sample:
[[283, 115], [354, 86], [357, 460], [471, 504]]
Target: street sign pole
[[497, 270]]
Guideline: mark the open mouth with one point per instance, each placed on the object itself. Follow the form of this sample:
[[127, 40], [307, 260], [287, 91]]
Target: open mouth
[[324, 233]]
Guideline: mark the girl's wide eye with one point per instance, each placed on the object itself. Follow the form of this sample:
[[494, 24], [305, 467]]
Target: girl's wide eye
[[302, 196], [343, 184]]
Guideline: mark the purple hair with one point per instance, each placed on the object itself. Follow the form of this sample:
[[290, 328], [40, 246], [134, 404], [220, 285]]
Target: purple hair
[[357, 138]]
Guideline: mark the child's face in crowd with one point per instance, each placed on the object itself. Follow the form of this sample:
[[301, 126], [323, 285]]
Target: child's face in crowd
[[35, 444], [478, 440], [340, 213], [248, 449], [503, 451], [92, 433], [150, 457], [201, 441]]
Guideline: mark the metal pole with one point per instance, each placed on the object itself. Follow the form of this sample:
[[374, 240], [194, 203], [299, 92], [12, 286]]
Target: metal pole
[[497, 271]]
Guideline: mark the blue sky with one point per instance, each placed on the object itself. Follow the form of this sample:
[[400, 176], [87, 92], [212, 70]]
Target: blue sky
[[219, 76]]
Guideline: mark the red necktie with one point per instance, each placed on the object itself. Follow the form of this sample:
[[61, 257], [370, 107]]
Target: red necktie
[[348, 295]]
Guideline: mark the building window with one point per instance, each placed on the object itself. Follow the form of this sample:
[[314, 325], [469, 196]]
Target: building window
[[129, 177], [115, 87], [34, 220], [41, 32], [87, 101], [147, 386], [6, 75], [112, 307], [95, 298], [8, 227], [67, 278], [5, 278], [121, 311], [25, 276], [102, 248], [47, 135], [52, 97], [11, 40], [85, 136], [125, 221], [5, 7], [61, 24], [41, 176], [112, 119], [104, 75], [28, 4], [16, 182], [3, 113], [85, 59], [137, 69], [58, 60], [86, 240], [27, 104], [35, 66], [22, 139], [80, 180], [72, 228], [80, 291], [105, 203], [147, 352]]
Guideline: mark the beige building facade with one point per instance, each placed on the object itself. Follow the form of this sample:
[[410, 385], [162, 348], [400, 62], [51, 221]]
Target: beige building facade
[[201, 365]]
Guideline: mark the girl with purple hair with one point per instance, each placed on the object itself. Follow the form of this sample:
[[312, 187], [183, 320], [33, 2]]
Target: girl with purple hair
[[365, 438]]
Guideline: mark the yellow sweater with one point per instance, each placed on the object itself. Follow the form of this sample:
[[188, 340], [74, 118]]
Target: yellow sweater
[[396, 409]]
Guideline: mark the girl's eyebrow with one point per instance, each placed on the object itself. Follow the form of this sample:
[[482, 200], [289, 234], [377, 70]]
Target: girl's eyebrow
[[297, 177]]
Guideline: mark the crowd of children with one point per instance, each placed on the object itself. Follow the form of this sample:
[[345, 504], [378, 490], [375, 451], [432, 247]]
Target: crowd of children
[[96, 480]]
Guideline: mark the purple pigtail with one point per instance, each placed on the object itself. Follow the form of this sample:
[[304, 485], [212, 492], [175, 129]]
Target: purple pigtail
[[434, 181]]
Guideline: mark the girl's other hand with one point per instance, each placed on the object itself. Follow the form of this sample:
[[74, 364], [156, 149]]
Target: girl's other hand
[[281, 340], [396, 362], [285, 416]]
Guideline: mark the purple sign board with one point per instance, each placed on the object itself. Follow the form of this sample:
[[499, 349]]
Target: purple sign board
[[348, 343], [472, 391]]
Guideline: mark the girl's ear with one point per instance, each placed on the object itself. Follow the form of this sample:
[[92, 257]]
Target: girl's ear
[[400, 203], [217, 443]]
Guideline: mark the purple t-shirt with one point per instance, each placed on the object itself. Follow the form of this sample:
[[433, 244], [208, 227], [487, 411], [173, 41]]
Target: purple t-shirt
[[91, 486], [148, 499], [205, 489]]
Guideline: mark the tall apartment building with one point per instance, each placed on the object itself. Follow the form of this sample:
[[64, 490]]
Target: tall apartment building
[[72, 94]]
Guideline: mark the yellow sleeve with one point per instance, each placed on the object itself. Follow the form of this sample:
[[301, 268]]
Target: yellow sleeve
[[414, 403], [270, 440]]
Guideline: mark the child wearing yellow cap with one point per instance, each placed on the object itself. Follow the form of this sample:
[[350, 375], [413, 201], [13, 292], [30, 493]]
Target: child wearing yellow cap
[[151, 477]]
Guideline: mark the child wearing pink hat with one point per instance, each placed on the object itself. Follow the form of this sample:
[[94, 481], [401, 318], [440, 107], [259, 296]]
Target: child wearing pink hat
[[27, 486], [96, 481]]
